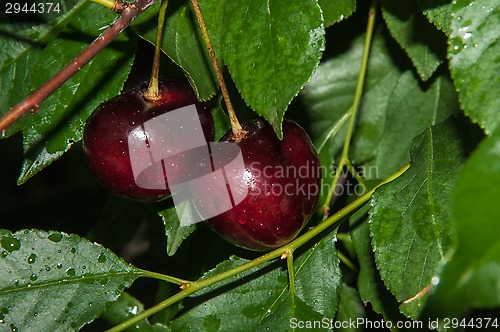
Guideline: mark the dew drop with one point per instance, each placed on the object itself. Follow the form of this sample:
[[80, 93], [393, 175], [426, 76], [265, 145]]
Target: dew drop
[[59, 266], [73, 250], [10, 244], [4, 254], [435, 280], [55, 237], [101, 258], [35, 314], [4, 311], [32, 259], [13, 328], [70, 272], [47, 268], [33, 277]]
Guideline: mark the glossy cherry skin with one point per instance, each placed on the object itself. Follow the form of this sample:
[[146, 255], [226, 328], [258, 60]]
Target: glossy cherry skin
[[283, 179], [107, 132]]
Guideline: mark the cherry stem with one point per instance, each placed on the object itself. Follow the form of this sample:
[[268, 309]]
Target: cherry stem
[[286, 252], [344, 159], [291, 273], [238, 131], [110, 4], [164, 277], [153, 92], [129, 10]]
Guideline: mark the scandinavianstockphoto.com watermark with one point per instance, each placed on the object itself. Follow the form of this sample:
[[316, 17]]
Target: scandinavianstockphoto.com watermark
[[217, 166], [296, 186]]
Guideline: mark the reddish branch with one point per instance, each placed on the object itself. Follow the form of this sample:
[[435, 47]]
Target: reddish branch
[[128, 10]]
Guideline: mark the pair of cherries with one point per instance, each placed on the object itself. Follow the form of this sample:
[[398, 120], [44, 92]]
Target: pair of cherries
[[272, 190]]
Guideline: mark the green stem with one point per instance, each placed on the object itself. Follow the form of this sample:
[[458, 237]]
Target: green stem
[[192, 287], [110, 4], [291, 272], [344, 159], [361, 77], [164, 277], [153, 92], [343, 258], [334, 130], [356, 175]]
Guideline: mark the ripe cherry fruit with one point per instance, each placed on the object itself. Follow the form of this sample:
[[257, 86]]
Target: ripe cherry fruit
[[282, 179], [127, 138]]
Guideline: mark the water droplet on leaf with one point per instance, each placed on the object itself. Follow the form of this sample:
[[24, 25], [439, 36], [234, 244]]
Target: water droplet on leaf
[[32, 259], [70, 272], [10, 244], [55, 237]]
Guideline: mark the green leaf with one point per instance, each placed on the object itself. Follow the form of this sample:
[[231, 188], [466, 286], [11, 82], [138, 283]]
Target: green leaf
[[127, 307], [409, 217], [370, 286], [411, 107], [57, 282], [61, 118], [473, 52], [243, 302], [174, 231], [318, 276], [393, 99], [438, 12], [290, 314], [221, 121], [336, 11], [21, 44], [470, 279], [183, 43], [350, 307], [271, 48], [423, 43], [235, 304]]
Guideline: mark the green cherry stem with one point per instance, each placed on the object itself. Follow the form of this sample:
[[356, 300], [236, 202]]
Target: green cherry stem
[[291, 271], [344, 159], [238, 131], [284, 252], [110, 4], [164, 277], [153, 92]]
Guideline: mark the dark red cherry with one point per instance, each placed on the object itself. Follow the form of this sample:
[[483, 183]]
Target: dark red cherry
[[282, 180], [127, 138]]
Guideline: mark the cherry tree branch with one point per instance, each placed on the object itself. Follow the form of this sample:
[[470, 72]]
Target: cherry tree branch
[[128, 10]]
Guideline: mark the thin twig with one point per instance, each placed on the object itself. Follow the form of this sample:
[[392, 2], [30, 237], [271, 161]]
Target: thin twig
[[33, 101]]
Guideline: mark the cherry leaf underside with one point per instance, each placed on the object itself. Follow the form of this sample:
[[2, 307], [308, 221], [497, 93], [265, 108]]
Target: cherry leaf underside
[[51, 281]]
